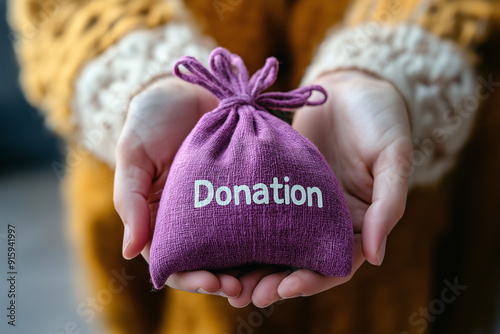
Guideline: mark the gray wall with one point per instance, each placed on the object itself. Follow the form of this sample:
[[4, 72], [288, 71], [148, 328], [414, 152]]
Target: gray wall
[[24, 142]]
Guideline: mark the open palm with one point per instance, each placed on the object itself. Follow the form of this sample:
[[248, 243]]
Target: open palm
[[364, 133], [158, 120]]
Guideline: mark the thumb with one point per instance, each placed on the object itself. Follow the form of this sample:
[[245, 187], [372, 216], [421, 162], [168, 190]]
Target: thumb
[[133, 177], [390, 190]]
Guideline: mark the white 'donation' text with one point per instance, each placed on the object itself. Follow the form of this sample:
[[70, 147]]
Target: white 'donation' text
[[282, 193]]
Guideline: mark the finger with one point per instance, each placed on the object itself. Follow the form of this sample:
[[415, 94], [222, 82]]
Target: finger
[[248, 282], [146, 251], [200, 281], [266, 291], [309, 122], [230, 286], [131, 190], [390, 189], [304, 282]]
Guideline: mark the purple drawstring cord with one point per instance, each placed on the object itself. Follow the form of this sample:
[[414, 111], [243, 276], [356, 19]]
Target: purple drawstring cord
[[228, 80]]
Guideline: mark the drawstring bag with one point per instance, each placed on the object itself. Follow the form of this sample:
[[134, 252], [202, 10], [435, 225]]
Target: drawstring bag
[[245, 187]]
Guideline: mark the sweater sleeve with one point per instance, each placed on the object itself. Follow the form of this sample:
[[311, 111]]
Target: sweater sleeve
[[108, 82], [427, 50], [55, 38]]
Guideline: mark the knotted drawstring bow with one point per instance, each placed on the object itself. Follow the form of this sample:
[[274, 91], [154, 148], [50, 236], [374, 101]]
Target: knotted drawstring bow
[[228, 80]]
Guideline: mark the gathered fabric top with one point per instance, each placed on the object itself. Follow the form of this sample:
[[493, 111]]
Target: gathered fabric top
[[229, 81]]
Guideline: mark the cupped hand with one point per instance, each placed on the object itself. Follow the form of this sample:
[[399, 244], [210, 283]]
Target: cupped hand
[[158, 120], [364, 133]]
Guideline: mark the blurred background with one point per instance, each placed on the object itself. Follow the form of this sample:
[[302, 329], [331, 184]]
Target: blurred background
[[24, 141], [30, 200]]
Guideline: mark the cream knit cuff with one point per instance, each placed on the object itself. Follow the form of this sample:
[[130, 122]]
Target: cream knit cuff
[[434, 77], [106, 83]]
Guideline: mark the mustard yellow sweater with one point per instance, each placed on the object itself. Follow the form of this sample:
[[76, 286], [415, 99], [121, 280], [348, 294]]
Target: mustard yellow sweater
[[55, 38]]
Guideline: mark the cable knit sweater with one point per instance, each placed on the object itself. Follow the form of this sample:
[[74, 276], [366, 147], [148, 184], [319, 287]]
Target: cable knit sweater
[[88, 96]]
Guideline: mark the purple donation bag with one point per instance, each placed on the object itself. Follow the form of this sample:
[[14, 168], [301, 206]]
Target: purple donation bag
[[245, 187]]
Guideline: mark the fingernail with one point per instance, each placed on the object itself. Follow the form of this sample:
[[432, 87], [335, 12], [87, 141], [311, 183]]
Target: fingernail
[[264, 305], [222, 294], [200, 290], [242, 306], [381, 251], [126, 241], [290, 285]]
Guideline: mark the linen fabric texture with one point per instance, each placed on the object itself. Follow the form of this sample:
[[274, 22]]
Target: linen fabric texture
[[214, 213]]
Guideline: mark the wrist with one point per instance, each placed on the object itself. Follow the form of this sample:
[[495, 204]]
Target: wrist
[[354, 76], [360, 79], [168, 92]]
